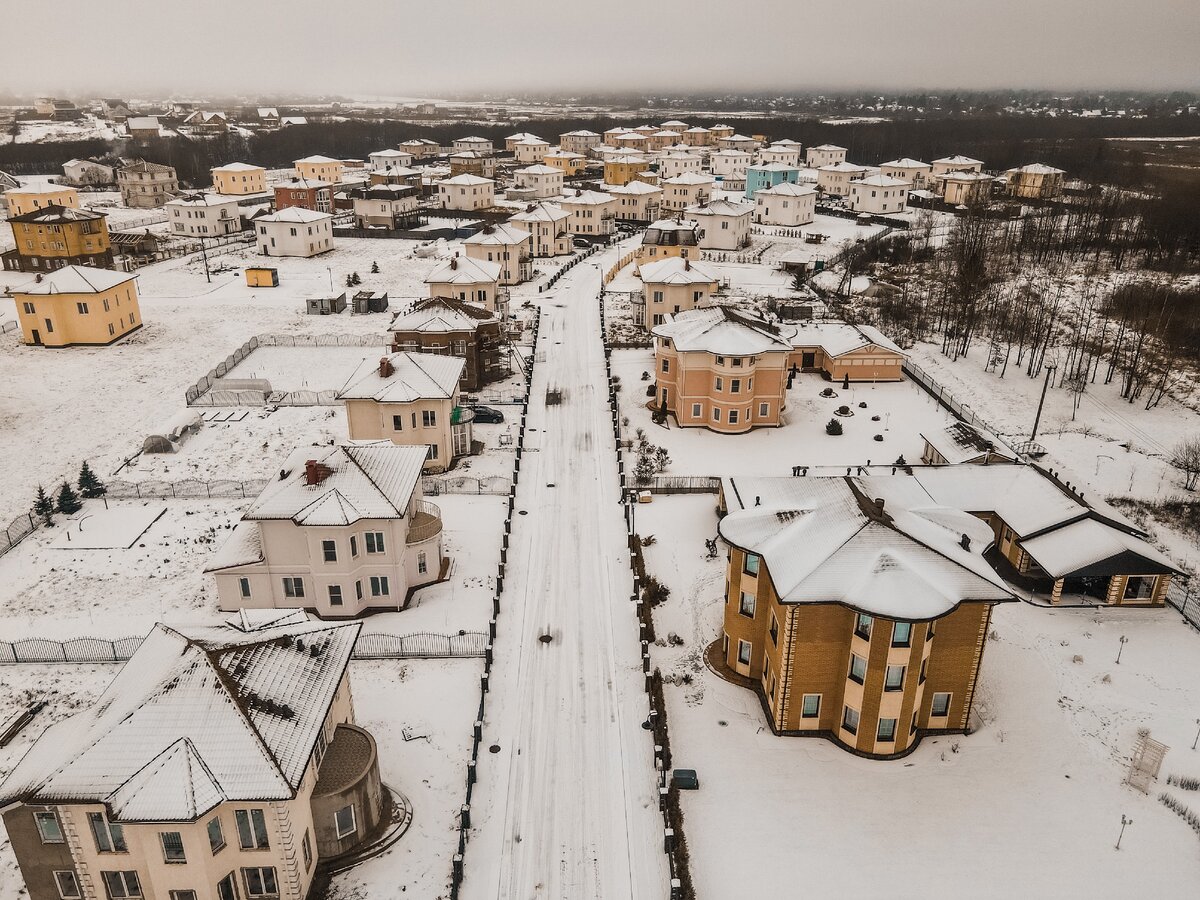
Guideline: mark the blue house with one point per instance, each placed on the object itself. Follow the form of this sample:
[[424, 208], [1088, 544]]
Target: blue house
[[759, 178]]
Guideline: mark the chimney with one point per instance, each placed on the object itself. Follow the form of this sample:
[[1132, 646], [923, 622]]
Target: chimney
[[37, 278], [578, 193], [454, 262], [687, 264], [385, 367], [965, 542], [879, 505], [315, 472]]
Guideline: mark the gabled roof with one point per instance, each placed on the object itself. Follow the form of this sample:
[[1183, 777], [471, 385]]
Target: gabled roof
[[367, 480], [296, 214], [142, 123], [787, 189], [675, 270], [721, 208], [72, 280], [722, 330], [839, 338], [319, 160], [464, 270], [959, 161], [541, 212], [440, 315], [906, 163], [690, 178], [1092, 548], [198, 716], [826, 540], [960, 442], [55, 215], [501, 233], [414, 376]]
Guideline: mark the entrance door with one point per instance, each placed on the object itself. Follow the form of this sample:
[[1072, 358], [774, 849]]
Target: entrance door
[[37, 338], [808, 360]]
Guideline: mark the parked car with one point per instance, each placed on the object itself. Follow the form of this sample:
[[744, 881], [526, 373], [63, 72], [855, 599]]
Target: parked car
[[486, 415], [581, 242]]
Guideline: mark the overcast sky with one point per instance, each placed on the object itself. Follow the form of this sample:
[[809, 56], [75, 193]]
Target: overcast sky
[[448, 47]]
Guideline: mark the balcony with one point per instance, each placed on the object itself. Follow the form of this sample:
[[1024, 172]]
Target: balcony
[[426, 523]]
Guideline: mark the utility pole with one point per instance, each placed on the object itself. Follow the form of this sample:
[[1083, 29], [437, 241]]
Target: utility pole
[[204, 255], [1038, 418]]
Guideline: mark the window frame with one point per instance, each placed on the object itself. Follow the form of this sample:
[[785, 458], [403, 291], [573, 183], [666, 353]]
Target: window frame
[[804, 713], [933, 703], [127, 892], [747, 609], [879, 731], [890, 684], [260, 872], [749, 652], [114, 839], [220, 843], [337, 822], [58, 885], [853, 674], [252, 823], [162, 841], [749, 568], [907, 640], [863, 624], [849, 712], [38, 816]]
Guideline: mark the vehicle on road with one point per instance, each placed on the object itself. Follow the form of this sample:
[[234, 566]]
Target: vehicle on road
[[487, 415]]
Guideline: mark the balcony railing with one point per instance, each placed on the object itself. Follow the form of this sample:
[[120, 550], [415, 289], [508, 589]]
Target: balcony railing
[[426, 522]]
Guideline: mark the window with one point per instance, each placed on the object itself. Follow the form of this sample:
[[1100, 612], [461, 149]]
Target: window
[[28, 307], [921, 678], [335, 595], [48, 826], [901, 634], [252, 829], [306, 849], [810, 708], [226, 889], [172, 846], [244, 587], [110, 837], [850, 720], [345, 822], [893, 678], [750, 564], [666, 365], [379, 586], [746, 608], [81, 308], [858, 668], [941, 706], [696, 411], [121, 884], [260, 881], [183, 895], [774, 630], [68, 885], [358, 594], [733, 417], [354, 545], [428, 417], [329, 550], [744, 652], [764, 409], [886, 731], [293, 586], [216, 835], [735, 385], [716, 414], [397, 423], [422, 563], [718, 384], [862, 627], [374, 541]]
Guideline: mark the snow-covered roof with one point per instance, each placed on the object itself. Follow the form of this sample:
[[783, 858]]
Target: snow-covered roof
[[828, 540], [464, 270], [881, 181], [633, 187], [1037, 169], [197, 717], [318, 160], [201, 198], [539, 169], [959, 161], [142, 123], [906, 163], [965, 176], [412, 376], [390, 153], [466, 180], [473, 139], [238, 167], [628, 160], [243, 547], [844, 167], [1089, 547], [773, 167], [829, 148], [541, 212], [696, 129], [786, 143], [675, 270], [690, 178], [683, 157], [838, 338], [522, 136], [40, 187], [300, 182], [441, 315], [564, 154], [722, 330], [585, 198], [960, 442], [532, 140], [296, 214], [583, 132], [787, 189], [265, 112], [721, 208], [368, 480], [730, 153], [72, 280], [500, 233]]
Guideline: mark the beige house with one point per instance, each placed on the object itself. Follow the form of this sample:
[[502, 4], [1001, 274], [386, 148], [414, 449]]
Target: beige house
[[724, 224], [510, 142], [473, 144], [786, 204], [536, 183], [671, 286], [915, 172], [948, 164], [388, 158], [31, 197], [472, 162], [1035, 182], [721, 369], [824, 155], [682, 191], [342, 530], [784, 154], [672, 164], [660, 139], [843, 351], [731, 165], [221, 762], [473, 280], [717, 132], [421, 148], [410, 399], [581, 141], [737, 142], [878, 194], [505, 245], [530, 149], [636, 201], [835, 179], [239, 179], [467, 192], [321, 168], [146, 185], [547, 224], [667, 238], [571, 163], [592, 213], [964, 188], [294, 231], [856, 609], [697, 136]]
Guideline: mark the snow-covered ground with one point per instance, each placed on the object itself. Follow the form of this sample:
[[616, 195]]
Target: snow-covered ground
[[1030, 804]]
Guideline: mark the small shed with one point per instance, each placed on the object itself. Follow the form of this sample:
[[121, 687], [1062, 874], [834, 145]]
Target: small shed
[[168, 438], [326, 306], [370, 302], [260, 276]]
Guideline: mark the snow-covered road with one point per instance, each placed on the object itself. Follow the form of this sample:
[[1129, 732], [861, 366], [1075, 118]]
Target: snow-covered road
[[568, 807]]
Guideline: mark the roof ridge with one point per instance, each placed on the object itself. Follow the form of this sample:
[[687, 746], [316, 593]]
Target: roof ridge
[[358, 465]]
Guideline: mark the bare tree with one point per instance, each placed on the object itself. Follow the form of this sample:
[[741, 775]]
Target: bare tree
[[1185, 456]]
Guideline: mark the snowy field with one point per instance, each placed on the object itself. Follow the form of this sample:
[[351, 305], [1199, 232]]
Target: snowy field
[[1042, 773], [904, 410]]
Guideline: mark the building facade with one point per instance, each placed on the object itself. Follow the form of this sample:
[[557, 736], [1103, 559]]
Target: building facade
[[294, 231], [30, 198], [239, 179], [305, 194], [452, 327], [147, 185], [203, 215], [467, 192], [475, 281], [507, 246], [57, 236], [787, 204], [671, 286], [77, 306]]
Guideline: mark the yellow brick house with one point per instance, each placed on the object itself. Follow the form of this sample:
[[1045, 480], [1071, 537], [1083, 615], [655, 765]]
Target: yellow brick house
[[76, 306]]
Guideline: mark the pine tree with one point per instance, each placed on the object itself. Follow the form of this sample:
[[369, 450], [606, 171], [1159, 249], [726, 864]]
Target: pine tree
[[89, 485], [44, 506], [68, 500], [374, 268], [349, 281], [355, 279]]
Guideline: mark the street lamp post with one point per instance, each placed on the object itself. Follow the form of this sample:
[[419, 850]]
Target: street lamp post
[[1124, 641], [1124, 822], [1038, 418]]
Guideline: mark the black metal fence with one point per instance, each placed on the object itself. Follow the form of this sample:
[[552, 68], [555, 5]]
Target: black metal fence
[[1181, 596]]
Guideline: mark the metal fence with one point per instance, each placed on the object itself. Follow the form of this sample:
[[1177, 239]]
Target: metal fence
[[18, 529], [960, 410], [466, 484], [419, 645], [1181, 596], [187, 489], [676, 484]]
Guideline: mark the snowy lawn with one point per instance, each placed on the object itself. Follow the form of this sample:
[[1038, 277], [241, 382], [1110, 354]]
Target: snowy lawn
[[904, 411], [306, 368], [433, 702], [1030, 804]]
